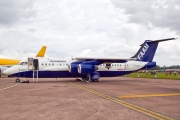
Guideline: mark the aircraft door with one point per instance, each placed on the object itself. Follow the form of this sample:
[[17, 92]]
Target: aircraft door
[[33, 64], [36, 64], [108, 65], [30, 64]]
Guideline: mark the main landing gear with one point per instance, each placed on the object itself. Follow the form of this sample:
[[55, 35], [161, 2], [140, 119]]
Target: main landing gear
[[95, 80], [87, 80]]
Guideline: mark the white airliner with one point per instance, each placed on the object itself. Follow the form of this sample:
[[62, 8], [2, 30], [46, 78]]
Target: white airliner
[[86, 68]]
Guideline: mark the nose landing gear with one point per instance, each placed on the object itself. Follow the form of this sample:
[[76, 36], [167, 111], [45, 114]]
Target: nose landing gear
[[17, 80]]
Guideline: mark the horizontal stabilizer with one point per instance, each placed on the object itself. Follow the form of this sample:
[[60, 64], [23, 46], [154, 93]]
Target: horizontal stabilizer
[[160, 40]]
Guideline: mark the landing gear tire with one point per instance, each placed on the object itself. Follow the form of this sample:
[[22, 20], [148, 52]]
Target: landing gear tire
[[17, 80], [95, 80]]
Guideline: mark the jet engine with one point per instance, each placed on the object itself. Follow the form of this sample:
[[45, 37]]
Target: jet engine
[[73, 68], [86, 68]]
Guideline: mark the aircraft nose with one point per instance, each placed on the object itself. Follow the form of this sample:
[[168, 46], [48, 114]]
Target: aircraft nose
[[7, 72]]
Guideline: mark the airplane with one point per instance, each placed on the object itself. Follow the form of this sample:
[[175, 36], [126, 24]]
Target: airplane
[[6, 62], [87, 68]]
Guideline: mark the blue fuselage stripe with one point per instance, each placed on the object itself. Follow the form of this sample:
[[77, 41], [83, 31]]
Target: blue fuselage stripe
[[66, 74]]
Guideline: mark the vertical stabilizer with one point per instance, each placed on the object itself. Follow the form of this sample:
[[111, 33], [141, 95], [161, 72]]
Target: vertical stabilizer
[[148, 49], [42, 52]]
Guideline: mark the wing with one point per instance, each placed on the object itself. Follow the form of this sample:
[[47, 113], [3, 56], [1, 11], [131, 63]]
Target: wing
[[102, 60]]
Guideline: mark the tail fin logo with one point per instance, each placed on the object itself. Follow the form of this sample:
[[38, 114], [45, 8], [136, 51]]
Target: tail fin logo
[[143, 51]]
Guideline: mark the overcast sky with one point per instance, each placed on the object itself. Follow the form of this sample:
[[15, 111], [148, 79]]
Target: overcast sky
[[92, 28]]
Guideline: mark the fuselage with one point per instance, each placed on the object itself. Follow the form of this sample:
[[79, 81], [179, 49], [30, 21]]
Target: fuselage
[[59, 68]]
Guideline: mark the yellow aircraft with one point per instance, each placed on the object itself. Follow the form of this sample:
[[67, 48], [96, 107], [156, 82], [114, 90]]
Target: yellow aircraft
[[5, 62], [8, 62]]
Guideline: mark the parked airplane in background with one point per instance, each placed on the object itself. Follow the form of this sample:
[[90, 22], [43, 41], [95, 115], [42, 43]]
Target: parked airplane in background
[[86, 68], [6, 62]]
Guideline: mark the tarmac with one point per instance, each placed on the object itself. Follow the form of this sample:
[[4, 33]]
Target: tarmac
[[116, 98]]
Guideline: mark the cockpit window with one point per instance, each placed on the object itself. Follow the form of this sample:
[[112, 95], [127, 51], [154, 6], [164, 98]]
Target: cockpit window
[[23, 63]]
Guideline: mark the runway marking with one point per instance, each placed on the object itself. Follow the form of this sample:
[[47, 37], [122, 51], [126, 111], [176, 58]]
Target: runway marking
[[149, 95], [10, 87], [145, 111]]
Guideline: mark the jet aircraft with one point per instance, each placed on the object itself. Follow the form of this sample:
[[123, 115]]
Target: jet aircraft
[[88, 68]]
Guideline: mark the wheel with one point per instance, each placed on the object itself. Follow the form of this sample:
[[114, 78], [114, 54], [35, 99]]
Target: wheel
[[97, 80], [93, 80], [17, 80]]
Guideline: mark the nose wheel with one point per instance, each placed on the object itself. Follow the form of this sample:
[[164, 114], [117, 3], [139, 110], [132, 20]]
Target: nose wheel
[[17, 80]]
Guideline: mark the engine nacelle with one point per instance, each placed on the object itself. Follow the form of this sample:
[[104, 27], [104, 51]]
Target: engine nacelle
[[73, 68], [86, 68]]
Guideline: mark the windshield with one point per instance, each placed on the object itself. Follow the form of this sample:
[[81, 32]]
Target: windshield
[[23, 63]]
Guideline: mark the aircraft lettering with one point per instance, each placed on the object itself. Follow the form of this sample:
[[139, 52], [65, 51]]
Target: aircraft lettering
[[57, 61], [143, 51]]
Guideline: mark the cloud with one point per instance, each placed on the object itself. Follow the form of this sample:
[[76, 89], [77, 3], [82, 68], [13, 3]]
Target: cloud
[[103, 28], [12, 12], [159, 13]]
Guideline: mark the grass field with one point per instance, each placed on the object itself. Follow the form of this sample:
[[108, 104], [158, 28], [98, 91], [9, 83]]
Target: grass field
[[159, 75]]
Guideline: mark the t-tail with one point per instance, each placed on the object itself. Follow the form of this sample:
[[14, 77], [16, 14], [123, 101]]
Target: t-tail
[[41, 52], [147, 50]]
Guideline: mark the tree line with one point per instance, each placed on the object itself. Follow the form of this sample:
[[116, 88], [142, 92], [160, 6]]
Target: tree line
[[165, 67]]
